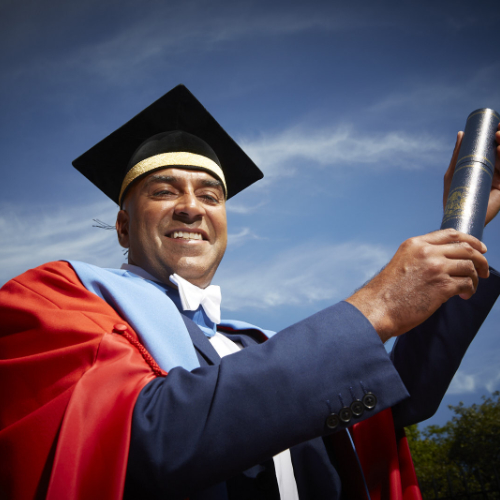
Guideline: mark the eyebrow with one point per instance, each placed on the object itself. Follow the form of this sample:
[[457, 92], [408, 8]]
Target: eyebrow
[[161, 178], [172, 179]]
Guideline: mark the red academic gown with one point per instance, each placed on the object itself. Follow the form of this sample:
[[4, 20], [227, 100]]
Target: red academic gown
[[71, 369], [71, 380]]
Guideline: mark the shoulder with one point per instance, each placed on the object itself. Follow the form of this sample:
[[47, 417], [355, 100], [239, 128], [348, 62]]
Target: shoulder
[[51, 274], [47, 281], [34, 296]]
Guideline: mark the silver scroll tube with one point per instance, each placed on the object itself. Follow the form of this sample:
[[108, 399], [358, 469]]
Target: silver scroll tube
[[467, 201]]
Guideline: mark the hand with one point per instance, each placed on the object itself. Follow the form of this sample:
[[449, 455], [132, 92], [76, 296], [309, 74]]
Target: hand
[[423, 274], [494, 201]]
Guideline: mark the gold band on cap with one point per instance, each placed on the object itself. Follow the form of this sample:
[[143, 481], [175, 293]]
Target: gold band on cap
[[166, 160]]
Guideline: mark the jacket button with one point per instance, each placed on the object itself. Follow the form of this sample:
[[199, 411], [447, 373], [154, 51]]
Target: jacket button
[[369, 400], [120, 327], [345, 414], [332, 421], [357, 408]]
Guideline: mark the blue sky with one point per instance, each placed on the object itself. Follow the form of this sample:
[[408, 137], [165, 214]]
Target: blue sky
[[350, 109]]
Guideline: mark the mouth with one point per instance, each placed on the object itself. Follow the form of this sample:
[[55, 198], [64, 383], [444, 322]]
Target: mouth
[[186, 235]]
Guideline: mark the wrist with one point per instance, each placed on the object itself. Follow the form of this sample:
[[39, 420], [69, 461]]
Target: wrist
[[375, 310]]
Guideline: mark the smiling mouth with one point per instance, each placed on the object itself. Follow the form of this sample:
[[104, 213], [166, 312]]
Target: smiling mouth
[[185, 235]]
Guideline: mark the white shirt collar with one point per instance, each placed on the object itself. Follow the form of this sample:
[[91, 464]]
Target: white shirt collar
[[191, 296], [139, 271]]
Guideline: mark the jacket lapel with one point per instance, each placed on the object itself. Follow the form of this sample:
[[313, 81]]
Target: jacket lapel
[[207, 355]]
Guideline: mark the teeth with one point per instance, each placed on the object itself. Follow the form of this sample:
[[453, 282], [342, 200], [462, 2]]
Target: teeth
[[187, 236]]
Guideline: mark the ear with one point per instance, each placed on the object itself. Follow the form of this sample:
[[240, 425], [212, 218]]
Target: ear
[[122, 220]]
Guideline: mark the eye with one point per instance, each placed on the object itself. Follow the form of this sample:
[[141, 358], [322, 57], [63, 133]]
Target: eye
[[162, 192], [211, 199]]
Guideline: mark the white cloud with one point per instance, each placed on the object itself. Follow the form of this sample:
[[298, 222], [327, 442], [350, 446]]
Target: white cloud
[[493, 383], [28, 239], [425, 96], [304, 274], [462, 383], [421, 96], [167, 30], [284, 153], [243, 236], [242, 209], [488, 378]]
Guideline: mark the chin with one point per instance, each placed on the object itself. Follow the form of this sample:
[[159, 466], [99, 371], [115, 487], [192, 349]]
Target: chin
[[198, 275], [195, 278]]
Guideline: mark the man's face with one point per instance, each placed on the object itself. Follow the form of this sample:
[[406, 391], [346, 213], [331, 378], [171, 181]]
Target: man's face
[[174, 221]]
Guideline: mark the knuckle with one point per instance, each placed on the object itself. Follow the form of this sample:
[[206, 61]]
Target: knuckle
[[453, 234], [468, 268], [445, 283], [447, 287], [409, 243], [426, 252], [466, 285], [434, 265], [467, 248]]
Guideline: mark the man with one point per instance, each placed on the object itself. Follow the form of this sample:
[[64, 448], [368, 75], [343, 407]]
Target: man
[[86, 351]]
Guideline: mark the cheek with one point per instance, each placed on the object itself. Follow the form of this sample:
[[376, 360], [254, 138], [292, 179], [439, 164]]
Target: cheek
[[221, 245], [220, 225], [142, 234], [223, 239], [147, 225]]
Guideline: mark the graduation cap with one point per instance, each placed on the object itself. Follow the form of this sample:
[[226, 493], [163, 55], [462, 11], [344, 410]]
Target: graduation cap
[[174, 131]]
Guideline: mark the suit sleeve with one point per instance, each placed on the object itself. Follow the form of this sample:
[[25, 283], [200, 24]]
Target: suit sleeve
[[428, 356], [193, 429]]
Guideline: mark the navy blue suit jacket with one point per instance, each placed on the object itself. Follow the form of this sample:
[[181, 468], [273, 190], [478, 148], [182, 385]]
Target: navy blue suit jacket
[[193, 433]]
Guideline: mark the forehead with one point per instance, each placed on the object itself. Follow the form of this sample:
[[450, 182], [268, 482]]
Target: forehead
[[181, 175], [176, 176]]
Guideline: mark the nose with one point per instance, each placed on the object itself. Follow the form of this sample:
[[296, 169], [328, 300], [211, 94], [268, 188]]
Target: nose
[[189, 206]]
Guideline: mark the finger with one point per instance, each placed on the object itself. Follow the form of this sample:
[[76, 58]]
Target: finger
[[462, 268], [466, 289], [445, 236], [494, 200], [493, 203], [463, 252], [463, 276], [465, 286], [497, 138]]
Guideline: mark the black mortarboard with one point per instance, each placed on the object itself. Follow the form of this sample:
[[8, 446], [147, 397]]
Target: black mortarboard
[[141, 146]]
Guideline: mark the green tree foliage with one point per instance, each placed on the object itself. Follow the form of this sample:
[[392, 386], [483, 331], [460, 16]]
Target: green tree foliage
[[461, 457]]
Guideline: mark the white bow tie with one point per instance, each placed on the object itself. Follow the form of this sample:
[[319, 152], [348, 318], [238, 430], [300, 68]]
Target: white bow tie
[[192, 297]]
